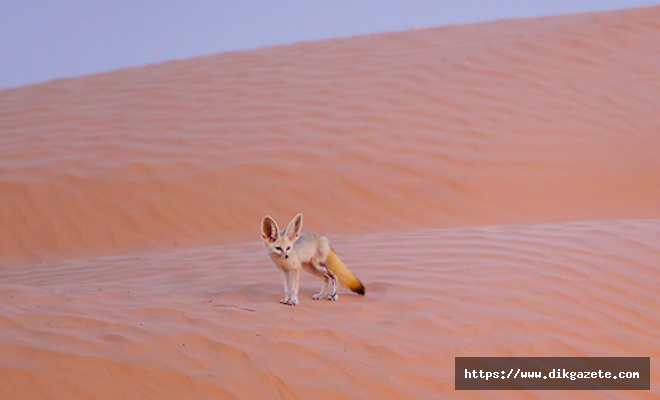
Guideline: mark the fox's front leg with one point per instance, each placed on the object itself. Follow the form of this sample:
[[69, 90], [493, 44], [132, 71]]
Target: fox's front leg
[[287, 291], [294, 288], [291, 279]]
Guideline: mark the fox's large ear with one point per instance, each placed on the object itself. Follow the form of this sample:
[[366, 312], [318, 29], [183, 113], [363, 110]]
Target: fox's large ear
[[292, 231], [269, 229]]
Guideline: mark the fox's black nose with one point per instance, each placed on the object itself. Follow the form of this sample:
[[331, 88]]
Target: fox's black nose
[[286, 256]]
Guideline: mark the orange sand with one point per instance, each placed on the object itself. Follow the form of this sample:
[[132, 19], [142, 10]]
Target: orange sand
[[445, 164]]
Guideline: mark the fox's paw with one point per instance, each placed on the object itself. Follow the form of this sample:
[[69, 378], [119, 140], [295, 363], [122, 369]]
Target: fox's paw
[[333, 297], [317, 296], [291, 302]]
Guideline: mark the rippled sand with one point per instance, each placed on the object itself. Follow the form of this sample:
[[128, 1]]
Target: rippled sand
[[447, 166]]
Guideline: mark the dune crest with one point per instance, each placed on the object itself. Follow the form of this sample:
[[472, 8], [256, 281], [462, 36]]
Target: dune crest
[[521, 121]]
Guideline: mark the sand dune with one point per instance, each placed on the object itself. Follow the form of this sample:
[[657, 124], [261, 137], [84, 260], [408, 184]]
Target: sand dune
[[205, 322], [539, 120], [495, 186]]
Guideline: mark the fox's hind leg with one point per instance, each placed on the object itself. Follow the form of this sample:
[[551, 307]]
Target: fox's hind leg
[[324, 289], [332, 296], [322, 272]]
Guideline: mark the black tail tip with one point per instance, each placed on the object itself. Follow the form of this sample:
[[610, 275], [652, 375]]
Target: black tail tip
[[360, 290]]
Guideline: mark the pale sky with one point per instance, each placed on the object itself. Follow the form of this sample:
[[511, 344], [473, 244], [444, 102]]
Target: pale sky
[[50, 39]]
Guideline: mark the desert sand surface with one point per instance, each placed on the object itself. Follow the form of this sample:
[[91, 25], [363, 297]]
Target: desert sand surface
[[496, 187]]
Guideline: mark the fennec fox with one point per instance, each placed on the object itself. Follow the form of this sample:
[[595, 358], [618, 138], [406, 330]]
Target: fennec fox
[[291, 250]]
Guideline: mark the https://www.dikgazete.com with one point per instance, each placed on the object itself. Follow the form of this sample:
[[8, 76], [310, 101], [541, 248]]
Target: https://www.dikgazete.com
[[554, 374]]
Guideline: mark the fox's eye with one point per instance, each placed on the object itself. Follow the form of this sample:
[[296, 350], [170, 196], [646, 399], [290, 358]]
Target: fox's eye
[[278, 248], [288, 248]]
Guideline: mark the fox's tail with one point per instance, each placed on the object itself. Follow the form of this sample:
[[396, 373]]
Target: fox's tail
[[343, 274]]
